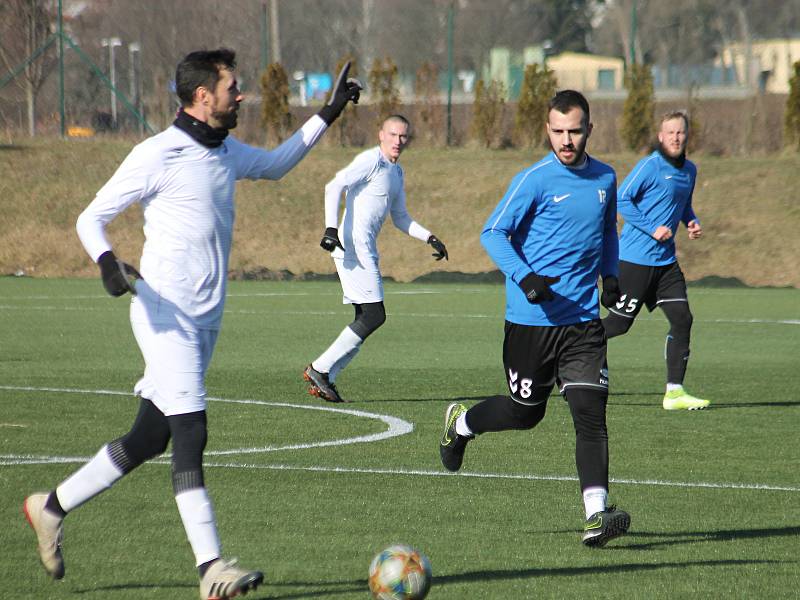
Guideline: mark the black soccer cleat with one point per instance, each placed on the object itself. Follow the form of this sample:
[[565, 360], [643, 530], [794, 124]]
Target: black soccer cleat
[[452, 445], [604, 526], [321, 386]]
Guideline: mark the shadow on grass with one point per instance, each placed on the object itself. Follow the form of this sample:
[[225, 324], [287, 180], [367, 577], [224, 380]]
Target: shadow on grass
[[333, 589], [506, 574], [693, 537], [325, 589], [120, 587], [723, 405]]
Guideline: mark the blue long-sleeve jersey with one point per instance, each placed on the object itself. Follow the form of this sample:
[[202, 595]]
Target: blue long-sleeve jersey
[[558, 221], [655, 193]]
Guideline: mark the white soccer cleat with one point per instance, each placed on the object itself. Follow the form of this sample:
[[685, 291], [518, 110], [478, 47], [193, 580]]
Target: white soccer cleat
[[225, 580], [49, 530]]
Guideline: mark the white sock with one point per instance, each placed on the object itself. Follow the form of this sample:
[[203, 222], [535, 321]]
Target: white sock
[[342, 363], [91, 479], [197, 515], [347, 341], [461, 426], [674, 386], [594, 500]]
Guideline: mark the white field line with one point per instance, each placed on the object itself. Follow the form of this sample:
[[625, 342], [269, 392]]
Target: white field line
[[396, 427], [248, 295], [395, 314], [26, 459]]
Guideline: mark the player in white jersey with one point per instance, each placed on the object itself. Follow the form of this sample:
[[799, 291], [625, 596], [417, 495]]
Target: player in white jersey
[[373, 188], [184, 180]]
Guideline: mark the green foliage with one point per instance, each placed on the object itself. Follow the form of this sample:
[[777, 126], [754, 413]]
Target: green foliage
[[487, 113], [538, 86], [426, 88], [637, 113], [275, 116], [792, 113], [345, 128], [383, 88]]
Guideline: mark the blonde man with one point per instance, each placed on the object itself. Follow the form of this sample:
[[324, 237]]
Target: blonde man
[[654, 199]]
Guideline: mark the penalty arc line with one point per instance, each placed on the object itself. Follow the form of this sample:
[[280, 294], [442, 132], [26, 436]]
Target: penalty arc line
[[396, 426]]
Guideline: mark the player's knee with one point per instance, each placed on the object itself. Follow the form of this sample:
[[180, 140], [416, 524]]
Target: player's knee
[[369, 319], [616, 325], [147, 438], [681, 322], [189, 437], [526, 416], [588, 408]]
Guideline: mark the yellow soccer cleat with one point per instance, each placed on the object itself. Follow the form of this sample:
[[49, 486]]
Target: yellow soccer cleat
[[678, 399]]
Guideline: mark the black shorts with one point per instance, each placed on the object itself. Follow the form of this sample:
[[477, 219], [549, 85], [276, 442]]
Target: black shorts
[[649, 285], [535, 358]]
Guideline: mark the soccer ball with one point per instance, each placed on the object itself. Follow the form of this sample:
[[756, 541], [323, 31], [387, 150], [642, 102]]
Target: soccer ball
[[400, 573]]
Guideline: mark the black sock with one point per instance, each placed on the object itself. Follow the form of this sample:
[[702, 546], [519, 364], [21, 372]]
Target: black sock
[[54, 506], [204, 567]]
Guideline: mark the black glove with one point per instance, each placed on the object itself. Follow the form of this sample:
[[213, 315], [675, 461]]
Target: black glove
[[611, 293], [537, 287], [344, 90], [438, 245], [118, 277], [330, 241]]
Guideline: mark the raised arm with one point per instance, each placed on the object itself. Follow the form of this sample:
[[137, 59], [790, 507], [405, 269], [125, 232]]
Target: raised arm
[[255, 163]]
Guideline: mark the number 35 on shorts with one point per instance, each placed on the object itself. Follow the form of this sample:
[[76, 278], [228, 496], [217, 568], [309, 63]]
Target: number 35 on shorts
[[627, 304], [519, 386]]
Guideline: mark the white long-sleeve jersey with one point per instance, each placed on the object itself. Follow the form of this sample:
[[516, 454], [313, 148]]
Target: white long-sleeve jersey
[[374, 188], [186, 193]]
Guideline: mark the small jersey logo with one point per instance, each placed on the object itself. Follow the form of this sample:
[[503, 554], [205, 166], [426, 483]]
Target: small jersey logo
[[558, 199], [512, 381], [667, 176], [601, 194]]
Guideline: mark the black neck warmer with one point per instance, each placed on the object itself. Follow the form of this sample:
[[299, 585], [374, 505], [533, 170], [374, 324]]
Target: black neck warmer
[[676, 162], [199, 131]]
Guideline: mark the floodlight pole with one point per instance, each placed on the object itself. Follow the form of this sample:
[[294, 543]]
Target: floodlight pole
[[264, 36], [61, 110], [134, 51], [633, 33], [450, 19], [112, 43]]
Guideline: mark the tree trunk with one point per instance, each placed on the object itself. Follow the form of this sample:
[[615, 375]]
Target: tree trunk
[[30, 98]]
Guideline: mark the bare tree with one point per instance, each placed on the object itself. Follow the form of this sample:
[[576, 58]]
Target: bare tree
[[26, 27]]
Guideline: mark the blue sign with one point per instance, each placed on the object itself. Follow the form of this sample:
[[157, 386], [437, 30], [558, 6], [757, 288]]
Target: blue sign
[[318, 85]]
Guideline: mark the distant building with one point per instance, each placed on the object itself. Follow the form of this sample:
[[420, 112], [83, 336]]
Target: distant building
[[769, 66], [583, 72], [587, 72]]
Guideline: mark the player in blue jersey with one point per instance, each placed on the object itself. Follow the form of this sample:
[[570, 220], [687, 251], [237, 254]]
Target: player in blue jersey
[[653, 200], [552, 235]]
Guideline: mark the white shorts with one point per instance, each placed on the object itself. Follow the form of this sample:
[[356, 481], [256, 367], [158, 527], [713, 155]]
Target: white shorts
[[176, 358], [359, 285]]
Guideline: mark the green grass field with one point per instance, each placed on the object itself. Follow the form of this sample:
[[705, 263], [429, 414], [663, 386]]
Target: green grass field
[[713, 495]]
